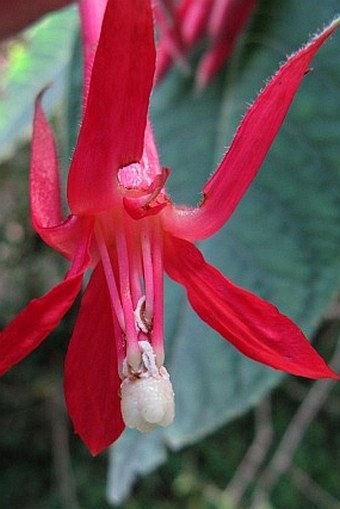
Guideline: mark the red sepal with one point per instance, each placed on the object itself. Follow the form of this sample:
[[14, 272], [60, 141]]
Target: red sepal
[[30, 327], [91, 374], [252, 325], [253, 139], [112, 131], [45, 197]]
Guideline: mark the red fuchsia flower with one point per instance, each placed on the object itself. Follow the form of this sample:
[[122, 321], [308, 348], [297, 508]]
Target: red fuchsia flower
[[182, 25], [124, 227]]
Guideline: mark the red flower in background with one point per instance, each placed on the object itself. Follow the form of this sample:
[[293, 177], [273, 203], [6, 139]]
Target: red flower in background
[[185, 23], [125, 228]]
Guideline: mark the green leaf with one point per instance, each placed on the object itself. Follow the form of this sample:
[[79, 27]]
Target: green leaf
[[282, 242], [147, 451], [34, 60]]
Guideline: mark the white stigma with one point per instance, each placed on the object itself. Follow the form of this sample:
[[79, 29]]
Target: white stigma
[[147, 397]]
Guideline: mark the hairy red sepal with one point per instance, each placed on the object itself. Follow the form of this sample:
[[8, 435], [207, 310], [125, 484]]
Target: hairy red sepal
[[253, 139], [252, 325]]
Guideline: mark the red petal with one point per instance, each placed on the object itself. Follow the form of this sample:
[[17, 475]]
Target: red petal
[[46, 211], [252, 325], [148, 202], [35, 322], [250, 145], [91, 376], [112, 132], [25, 332], [137, 211]]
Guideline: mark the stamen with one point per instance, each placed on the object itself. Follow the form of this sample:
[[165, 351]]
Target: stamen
[[138, 312], [134, 262], [148, 356], [148, 271], [132, 350], [110, 278], [119, 339], [158, 281]]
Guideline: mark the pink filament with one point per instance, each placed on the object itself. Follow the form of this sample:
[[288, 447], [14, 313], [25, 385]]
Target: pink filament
[[158, 287], [148, 270], [132, 349], [138, 270], [110, 278], [134, 262]]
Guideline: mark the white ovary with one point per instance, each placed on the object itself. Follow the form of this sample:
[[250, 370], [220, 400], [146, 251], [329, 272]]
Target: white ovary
[[148, 401]]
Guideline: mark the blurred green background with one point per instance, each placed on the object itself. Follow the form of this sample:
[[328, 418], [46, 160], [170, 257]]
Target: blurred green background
[[253, 440]]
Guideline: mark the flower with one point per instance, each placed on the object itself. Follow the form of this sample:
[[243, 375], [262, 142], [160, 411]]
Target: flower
[[125, 228], [183, 25]]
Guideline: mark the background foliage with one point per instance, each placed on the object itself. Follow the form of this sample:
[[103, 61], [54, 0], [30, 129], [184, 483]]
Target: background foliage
[[282, 242]]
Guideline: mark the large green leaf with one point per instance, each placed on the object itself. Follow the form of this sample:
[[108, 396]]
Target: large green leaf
[[282, 242], [39, 57]]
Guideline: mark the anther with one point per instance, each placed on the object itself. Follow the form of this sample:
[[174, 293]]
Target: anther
[[141, 322]]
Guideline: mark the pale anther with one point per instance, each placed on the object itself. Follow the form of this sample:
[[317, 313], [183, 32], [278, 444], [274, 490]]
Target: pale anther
[[147, 397], [138, 313]]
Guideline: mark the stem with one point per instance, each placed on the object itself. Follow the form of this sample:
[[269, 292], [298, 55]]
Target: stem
[[252, 461], [65, 481], [311, 490], [283, 457]]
